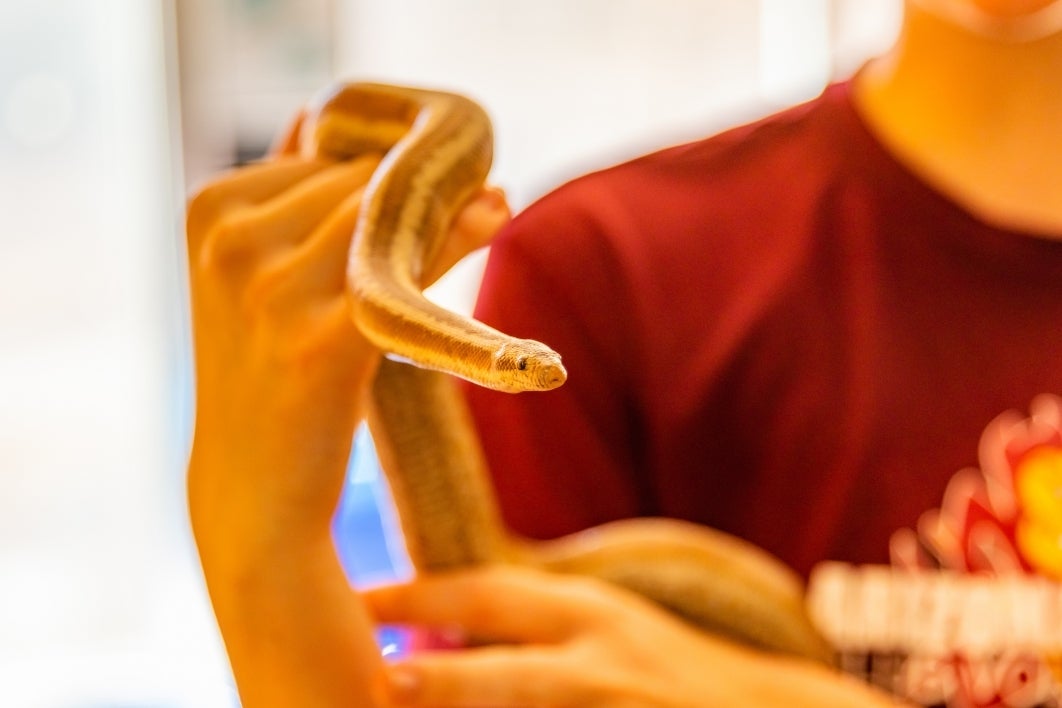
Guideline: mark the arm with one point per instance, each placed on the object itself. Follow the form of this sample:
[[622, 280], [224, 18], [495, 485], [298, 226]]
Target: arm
[[280, 377]]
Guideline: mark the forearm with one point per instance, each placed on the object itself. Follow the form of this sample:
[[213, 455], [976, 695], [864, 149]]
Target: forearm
[[295, 632], [261, 499], [261, 495]]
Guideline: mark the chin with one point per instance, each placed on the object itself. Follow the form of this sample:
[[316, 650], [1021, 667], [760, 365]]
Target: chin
[[1012, 9], [1001, 20]]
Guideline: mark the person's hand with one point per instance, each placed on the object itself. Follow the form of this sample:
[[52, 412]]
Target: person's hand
[[281, 373], [280, 367], [278, 363], [570, 641]]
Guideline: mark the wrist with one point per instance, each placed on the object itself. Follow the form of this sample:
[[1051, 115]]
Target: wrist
[[265, 498], [248, 540], [247, 576]]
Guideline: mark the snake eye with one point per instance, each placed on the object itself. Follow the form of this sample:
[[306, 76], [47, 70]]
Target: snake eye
[[521, 363]]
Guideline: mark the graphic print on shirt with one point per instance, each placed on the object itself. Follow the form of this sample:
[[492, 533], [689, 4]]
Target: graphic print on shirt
[[969, 613]]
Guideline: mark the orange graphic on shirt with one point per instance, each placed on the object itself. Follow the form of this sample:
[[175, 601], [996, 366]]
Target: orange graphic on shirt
[[1038, 483], [1001, 519], [1004, 516]]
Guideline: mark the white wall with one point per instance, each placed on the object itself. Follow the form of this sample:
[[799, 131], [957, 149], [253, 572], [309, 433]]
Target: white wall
[[569, 84], [577, 84], [95, 569]]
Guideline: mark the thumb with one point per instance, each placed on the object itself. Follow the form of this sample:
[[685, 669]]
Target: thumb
[[473, 228]]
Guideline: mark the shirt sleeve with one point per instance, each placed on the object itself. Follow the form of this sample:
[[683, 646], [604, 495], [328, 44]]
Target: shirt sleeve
[[565, 459]]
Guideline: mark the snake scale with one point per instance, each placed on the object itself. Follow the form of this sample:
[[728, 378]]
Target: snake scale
[[436, 150]]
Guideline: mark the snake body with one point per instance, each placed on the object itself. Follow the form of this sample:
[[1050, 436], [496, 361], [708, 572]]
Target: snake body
[[437, 152]]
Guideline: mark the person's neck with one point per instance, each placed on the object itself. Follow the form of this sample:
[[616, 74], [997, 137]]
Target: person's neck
[[977, 118]]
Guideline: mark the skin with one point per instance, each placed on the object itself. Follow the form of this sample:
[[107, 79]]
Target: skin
[[1010, 8], [281, 374], [975, 115], [995, 9]]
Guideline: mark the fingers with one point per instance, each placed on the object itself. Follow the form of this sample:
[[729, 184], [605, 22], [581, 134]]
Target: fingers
[[493, 676], [318, 266], [475, 225], [288, 218], [288, 141], [245, 187], [282, 221], [499, 604]]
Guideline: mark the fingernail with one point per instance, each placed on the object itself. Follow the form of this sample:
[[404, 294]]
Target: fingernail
[[404, 681]]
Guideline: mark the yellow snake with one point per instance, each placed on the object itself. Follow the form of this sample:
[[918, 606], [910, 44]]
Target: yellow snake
[[437, 151]]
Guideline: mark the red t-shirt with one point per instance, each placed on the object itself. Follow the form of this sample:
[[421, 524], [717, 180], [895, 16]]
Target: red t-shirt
[[778, 331]]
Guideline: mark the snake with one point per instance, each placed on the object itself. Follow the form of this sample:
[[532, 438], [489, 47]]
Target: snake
[[435, 149]]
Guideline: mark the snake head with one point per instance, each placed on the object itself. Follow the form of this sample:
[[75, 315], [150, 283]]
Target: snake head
[[527, 365]]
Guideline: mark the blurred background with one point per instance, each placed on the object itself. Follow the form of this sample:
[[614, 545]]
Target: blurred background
[[112, 111]]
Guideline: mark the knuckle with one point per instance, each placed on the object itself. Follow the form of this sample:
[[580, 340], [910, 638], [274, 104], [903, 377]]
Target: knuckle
[[482, 605], [231, 262], [262, 292], [204, 207], [227, 243], [582, 588], [595, 599]]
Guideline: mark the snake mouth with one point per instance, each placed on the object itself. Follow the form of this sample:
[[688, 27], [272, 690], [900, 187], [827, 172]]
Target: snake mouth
[[552, 376]]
